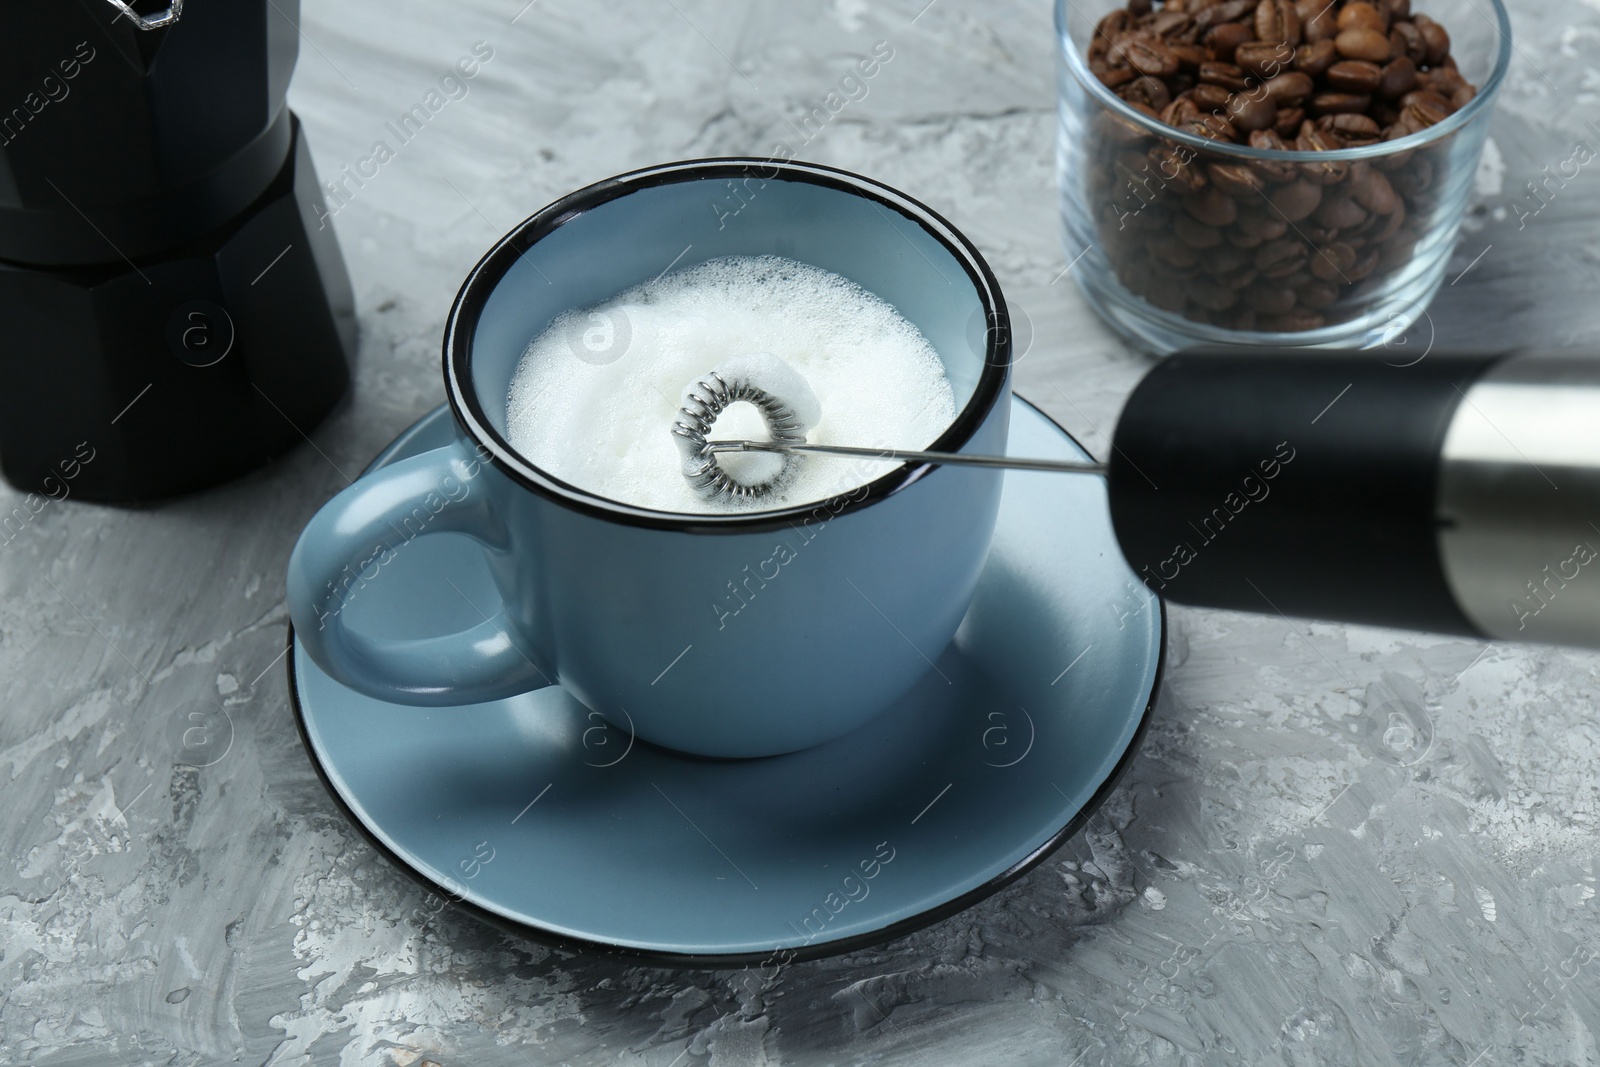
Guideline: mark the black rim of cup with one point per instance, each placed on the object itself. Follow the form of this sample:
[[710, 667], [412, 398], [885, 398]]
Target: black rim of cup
[[481, 281]]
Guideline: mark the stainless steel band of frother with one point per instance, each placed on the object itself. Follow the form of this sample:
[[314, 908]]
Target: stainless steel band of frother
[[1518, 501]]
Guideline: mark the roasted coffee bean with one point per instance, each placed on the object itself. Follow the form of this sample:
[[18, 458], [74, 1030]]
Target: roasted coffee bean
[[1126, 131], [1181, 110], [1146, 56], [1462, 97], [1269, 139], [1264, 59], [1238, 280], [1274, 259], [1317, 295], [1331, 173], [1225, 75], [1296, 200], [1360, 237], [1360, 44], [1110, 27], [1384, 113], [1113, 77], [1419, 115], [1251, 111], [1330, 261], [1416, 44], [1289, 120], [1415, 178], [1227, 259], [1190, 56], [1320, 23], [1209, 97], [1290, 89], [1131, 168], [1225, 39], [1361, 16], [1400, 9], [1271, 170], [1240, 239], [1211, 295], [1297, 321], [1373, 191], [1314, 139], [1398, 77], [1366, 262], [1391, 222], [1277, 20], [1273, 299], [1398, 252], [1139, 8], [1338, 104], [1433, 34], [1443, 80], [1237, 180], [1164, 292], [1211, 127], [1265, 225], [1151, 92], [1404, 126], [1354, 129], [1397, 44], [1211, 206], [1315, 59], [1340, 213], [1425, 96], [1355, 76], [1196, 234], [1229, 11], [1176, 164], [1169, 23], [1176, 253]]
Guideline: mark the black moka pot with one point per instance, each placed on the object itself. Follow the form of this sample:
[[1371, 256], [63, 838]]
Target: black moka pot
[[174, 309]]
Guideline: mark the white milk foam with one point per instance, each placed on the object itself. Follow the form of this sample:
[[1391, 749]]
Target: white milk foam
[[602, 421]]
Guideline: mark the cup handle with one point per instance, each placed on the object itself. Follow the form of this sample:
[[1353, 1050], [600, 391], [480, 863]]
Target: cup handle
[[365, 526]]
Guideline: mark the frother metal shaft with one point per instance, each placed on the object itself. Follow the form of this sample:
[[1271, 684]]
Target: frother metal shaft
[[895, 455]]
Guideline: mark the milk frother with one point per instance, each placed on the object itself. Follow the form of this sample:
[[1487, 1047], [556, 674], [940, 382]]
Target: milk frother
[[174, 306], [1458, 494]]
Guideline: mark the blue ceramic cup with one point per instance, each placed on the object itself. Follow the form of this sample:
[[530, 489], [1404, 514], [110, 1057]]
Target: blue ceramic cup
[[734, 634]]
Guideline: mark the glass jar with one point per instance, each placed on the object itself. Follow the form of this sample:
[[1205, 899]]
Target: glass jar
[[1181, 237]]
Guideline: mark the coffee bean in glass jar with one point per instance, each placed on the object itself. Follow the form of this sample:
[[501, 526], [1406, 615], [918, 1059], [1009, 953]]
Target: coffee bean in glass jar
[[1213, 226]]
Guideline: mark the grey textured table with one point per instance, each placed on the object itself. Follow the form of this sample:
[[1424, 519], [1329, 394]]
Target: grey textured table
[[1337, 844]]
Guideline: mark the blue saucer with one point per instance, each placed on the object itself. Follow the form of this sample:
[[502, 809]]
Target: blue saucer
[[532, 814]]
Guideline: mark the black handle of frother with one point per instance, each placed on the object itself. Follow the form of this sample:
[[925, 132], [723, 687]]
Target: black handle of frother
[[1294, 482]]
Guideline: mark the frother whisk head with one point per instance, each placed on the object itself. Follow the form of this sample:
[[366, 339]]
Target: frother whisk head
[[790, 408], [777, 391]]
